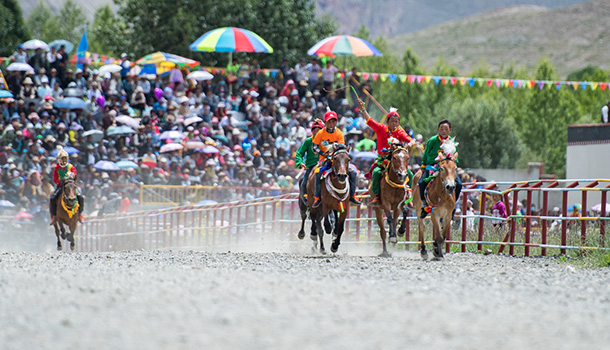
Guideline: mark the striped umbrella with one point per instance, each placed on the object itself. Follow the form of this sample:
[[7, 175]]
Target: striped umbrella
[[231, 39], [167, 59], [343, 45]]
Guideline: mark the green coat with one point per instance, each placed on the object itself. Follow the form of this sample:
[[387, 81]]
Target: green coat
[[431, 151], [306, 151]]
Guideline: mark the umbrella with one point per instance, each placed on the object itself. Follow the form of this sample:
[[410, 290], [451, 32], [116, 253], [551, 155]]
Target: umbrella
[[365, 156], [74, 92], [149, 162], [5, 94], [170, 147], [109, 68], [230, 39], [6, 204], [127, 164], [96, 135], [200, 75], [35, 44], [106, 166], [71, 103], [598, 208], [221, 138], [343, 45], [120, 130], [171, 134], [207, 202], [17, 66], [166, 61], [192, 120], [68, 149], [194, 144], [208, 149], [58, 43], [127, 120], [23, 215]]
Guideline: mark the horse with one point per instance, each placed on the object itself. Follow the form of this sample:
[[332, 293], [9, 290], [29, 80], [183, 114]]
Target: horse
[[67, 211], [394, 192], [441, 196], [334, 195]]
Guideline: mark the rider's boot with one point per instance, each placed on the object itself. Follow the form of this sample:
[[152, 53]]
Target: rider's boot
[[52, 220], [376, 201], [317, 191], [352, 189]]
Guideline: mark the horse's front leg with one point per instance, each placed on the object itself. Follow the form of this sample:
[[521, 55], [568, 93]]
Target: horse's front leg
[[438, 229], [71, 236], [391, 225], [56, 226], [403, 225], [303, 210], [382, 231], [339, 229]]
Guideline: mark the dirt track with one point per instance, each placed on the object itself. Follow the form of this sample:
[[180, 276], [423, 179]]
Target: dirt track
[[202, 300]]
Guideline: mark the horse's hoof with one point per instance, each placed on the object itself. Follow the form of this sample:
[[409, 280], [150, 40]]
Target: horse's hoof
[[59, 248], [424, 255], [72, 246], [301, 235], [322, 251], [437, 258], [63, 236], [393, 240], [401, 232], [334, 248], [385, 254], [313, 237]]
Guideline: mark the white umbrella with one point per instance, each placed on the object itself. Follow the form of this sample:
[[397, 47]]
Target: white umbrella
[[171, 134], [68, 46], [192, 120], [35, 44], [18, 66], [194, 144], [170, 147], [109, 68], [96, 135], [200, 75], [127, 120]]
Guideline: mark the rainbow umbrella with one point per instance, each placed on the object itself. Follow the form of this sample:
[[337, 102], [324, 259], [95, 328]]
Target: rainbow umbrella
[[343, 45], [231, 39], [167, 60]]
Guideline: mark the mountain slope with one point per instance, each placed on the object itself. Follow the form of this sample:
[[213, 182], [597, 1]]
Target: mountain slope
[[573, 37]]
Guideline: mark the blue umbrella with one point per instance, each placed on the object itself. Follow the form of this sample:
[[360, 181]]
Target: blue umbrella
[[127, 164], [70, 103], [120, 130], [6, 204], [5, 93], [70, 150], [106, 166], [57, 43]]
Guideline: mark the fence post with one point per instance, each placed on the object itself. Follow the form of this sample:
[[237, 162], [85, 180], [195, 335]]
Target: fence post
[[481, 220], [564, 214], [602, 224], [584, 212], [358, 216]]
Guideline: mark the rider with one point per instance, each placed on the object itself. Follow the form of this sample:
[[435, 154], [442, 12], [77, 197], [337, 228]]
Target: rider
[[310, 156], [433, 148], [384, 133], [329, 135], [59, 174]]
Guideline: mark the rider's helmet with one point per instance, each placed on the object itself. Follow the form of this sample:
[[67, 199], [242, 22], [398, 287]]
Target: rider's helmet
[[62, 158], [330, 115], [317, 124]]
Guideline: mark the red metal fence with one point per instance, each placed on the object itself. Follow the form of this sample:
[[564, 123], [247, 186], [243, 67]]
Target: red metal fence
[[278, 219]]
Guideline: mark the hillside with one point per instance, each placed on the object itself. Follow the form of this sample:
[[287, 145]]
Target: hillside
[[572, 37]]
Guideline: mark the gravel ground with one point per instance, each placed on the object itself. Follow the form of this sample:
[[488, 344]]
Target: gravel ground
[[291, 299]]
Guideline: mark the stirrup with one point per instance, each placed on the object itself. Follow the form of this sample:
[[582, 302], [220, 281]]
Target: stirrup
[[354, 200], [376, 201]]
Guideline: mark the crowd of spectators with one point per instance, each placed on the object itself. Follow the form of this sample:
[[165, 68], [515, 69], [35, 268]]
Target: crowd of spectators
[[240, 129]]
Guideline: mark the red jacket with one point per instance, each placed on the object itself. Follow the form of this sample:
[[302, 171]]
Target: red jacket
[[59, 173], [383, 135]]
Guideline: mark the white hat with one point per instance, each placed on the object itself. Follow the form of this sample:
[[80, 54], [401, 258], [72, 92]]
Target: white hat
[[254, 94], [123, 55], [294, 92]]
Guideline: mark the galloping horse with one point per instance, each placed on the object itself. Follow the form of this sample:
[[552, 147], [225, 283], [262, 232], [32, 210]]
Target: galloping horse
[[441, 196], [67, 211], [334, 197], [394, 193]]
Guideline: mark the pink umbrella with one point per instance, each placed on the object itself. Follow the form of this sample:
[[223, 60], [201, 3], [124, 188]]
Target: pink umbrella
[[209, 149], [170, 147], [192, 120], [194, 144], [23, 215]]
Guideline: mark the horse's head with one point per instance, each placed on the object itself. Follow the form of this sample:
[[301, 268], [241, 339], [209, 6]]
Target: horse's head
[[400, 163], [448, 174], [70, 190], [340, 160]]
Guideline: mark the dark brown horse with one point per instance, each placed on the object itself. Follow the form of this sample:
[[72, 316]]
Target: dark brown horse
[[441, 196], [394, 191], [67, 212], [335, 200]]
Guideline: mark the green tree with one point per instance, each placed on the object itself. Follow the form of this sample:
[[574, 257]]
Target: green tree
[[12, 27], [72, 22], [107, 33]]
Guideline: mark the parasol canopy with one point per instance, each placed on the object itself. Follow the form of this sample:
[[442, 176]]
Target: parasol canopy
[[343, 45], [231, 39]]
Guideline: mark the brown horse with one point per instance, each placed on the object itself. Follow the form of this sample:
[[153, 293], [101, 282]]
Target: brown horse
[[394, 191], [67, 212], [335, 200], [441, 196]]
